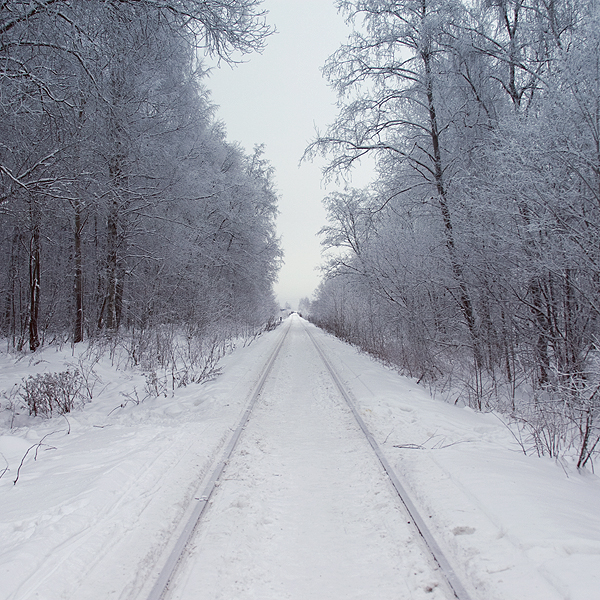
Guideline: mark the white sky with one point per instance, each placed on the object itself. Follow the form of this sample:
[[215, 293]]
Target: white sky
[[278, 98]]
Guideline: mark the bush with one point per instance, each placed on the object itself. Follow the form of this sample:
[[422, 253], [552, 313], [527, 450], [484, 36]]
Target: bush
[[52, 393]]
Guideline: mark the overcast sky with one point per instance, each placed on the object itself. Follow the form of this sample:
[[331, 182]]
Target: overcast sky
[[278, 98]]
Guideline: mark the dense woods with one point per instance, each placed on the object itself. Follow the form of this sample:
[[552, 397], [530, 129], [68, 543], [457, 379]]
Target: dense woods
[[473, 259], [123, 208]]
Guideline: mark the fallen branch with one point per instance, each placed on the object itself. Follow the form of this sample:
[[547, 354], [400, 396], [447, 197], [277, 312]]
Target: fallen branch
[[37, 447], [5, 468], [410, 446]]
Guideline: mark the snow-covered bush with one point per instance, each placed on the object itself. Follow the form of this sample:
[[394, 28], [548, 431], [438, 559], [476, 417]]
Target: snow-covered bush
[[52, 393]]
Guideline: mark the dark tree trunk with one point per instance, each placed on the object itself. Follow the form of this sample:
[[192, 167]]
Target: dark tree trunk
[[78, 288], [110, 309], [464, 298], [543, 328], [12, 290], [34, 281]]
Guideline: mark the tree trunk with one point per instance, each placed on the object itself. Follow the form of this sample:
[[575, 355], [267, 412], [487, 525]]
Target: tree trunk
[[110, 310], [465, 303], [78, 288], [12, 290], [34, 278], [117, 172], [543, 328]]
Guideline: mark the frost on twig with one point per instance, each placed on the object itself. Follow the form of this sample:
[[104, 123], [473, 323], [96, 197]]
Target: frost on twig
[[6, 468]]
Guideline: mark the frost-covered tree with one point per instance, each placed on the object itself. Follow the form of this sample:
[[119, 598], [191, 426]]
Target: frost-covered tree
[[471, 257], [111, 154], [392, 79]]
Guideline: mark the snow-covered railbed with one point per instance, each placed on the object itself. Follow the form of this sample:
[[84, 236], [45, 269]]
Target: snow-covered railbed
[[304, 509], [514, 526]]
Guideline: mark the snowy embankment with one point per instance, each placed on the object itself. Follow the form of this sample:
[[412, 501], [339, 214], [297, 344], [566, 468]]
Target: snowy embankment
[[98, 502], [517, 526], [94, 508]]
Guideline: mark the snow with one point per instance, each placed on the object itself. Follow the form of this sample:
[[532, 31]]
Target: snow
[[302, 510], [515, 526]]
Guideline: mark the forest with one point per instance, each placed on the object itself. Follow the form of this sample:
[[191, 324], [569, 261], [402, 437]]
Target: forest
[[472, 261], [126, 215]]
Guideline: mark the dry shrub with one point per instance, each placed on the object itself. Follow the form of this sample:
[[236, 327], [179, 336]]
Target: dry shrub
[[52, 393]]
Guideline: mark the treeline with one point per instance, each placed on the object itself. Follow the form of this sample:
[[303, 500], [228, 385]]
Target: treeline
[[122, 205], [473, 260]]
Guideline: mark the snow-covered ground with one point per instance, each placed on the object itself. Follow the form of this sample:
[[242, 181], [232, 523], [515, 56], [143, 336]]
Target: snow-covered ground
[[304, 509], [516, 527], [95, 512]]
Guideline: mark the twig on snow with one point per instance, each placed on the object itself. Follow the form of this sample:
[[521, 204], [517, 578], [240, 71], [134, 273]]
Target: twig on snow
[[410, 446], [5, 468], [37, 447]]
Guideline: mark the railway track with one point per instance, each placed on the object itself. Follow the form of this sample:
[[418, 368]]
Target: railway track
[[431, 543], [161, 586], [166, 583]]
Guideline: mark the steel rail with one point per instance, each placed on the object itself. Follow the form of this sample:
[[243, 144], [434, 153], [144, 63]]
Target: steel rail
[[161, 585], [446, 568]]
